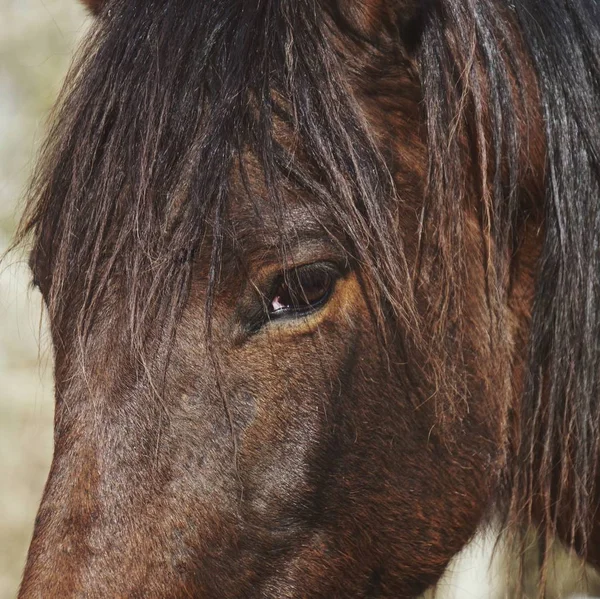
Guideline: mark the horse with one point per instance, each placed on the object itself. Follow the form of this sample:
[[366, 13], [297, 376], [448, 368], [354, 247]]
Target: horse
[[322, 282]]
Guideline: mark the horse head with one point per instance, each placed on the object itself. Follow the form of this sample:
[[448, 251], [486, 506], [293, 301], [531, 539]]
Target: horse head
[[297, 261]]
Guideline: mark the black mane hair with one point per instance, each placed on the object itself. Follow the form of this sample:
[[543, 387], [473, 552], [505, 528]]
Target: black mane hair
[[167, 96], [492, 44], [564, 41]]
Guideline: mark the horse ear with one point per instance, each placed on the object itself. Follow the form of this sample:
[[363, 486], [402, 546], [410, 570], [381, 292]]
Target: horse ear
[[94, 6]]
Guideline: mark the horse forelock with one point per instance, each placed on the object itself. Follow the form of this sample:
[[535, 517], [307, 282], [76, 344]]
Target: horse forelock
[[148, 131]]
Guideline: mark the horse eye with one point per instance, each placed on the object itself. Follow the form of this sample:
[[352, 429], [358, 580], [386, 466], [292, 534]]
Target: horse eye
[[302, 290]]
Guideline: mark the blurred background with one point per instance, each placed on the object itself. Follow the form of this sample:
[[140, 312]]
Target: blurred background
[[37, 40]]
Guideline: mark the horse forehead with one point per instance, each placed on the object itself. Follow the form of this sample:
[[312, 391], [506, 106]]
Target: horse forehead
[[260, 225]]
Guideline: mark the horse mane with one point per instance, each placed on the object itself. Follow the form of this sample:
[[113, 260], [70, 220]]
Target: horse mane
[[138, 163], [556, 456]]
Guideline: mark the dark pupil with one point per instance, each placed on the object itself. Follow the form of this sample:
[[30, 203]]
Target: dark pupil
[[302, 289]]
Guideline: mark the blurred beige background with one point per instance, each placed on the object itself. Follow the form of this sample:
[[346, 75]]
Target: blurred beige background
[[37, 39], [36, 45]]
